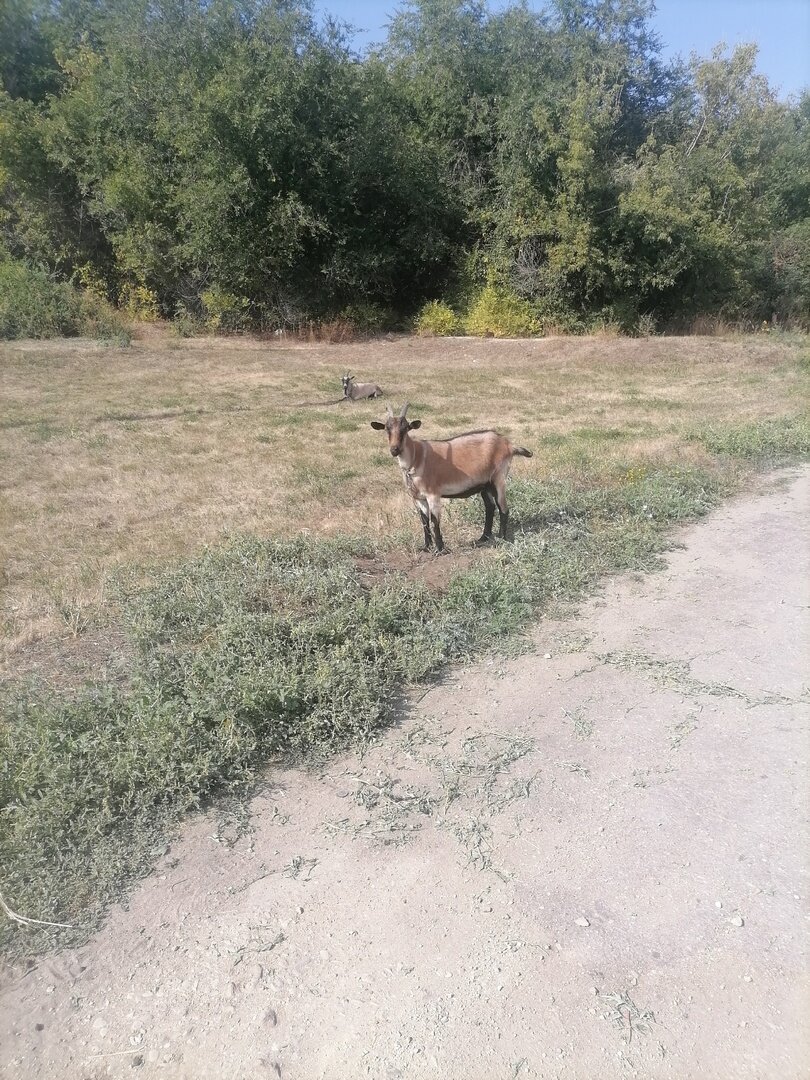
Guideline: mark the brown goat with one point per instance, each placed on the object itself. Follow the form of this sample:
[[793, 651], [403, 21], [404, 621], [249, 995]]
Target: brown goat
[[476, 463]]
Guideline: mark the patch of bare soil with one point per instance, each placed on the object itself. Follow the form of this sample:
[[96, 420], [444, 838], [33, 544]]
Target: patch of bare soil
[[425, 566], [587, 862]]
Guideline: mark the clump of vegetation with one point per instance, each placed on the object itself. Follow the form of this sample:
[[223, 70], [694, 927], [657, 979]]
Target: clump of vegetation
[[437, 319], [762, 440], [496, 312], [368, 318], [224, 310], [140, 303], [267, 647], [33, 305]]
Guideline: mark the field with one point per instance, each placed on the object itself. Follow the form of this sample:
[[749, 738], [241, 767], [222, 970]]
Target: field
[[313, 609]]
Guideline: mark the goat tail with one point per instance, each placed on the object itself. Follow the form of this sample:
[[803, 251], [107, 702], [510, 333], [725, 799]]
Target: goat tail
[[521, 451]]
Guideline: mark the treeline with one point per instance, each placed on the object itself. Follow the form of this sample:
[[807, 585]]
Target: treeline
[[237, 163]]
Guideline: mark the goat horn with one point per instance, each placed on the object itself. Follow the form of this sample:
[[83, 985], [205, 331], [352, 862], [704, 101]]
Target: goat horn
[[403, 410], [390, 411]]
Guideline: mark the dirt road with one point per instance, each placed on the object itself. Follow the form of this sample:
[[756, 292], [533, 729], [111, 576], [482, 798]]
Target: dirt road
[[590, 861]]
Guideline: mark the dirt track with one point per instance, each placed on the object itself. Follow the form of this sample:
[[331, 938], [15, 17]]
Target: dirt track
[[591, 861]]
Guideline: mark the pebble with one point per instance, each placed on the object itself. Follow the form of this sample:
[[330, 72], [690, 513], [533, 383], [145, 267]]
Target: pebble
[[583, 922], [547, 656], [737, 921]]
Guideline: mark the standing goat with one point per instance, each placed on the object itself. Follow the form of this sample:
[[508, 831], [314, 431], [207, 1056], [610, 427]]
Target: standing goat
[[476, 463], [353, 391]]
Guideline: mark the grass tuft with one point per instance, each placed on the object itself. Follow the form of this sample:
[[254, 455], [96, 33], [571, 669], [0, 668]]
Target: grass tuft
[[763, 441]]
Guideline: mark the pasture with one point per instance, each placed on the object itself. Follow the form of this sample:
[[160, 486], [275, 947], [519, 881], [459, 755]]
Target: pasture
[[201, 574]]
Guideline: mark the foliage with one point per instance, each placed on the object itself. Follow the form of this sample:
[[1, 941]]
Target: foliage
[[279, 169], [368, 318], [32, 304], [140, 303], [436, 319], [497, 312], [223, 310]]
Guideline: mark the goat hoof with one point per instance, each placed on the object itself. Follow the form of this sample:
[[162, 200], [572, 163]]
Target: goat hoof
[[482, 541]]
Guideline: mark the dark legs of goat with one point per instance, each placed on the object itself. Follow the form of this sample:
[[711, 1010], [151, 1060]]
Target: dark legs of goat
[[503, 520], [438, 532], [488, 496], [426, 526]]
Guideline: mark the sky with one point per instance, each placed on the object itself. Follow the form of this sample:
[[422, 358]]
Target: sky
[[781, 28]]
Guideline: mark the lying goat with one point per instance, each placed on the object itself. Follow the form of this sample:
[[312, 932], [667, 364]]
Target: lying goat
[[473, 464], [353, 391]]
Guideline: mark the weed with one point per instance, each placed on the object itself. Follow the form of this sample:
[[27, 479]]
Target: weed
[[762, 440]]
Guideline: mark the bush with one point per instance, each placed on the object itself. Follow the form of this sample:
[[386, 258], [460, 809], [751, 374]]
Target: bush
[[224, 310], [497, 312], [366, 318], [34, 305], [436, 319], [140, 303]]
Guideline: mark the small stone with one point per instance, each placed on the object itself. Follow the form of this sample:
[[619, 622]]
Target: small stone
[[547, 656], [747, 978], [594, 989], [270, 1017], [718, 903], [737, 921], [583, 922]]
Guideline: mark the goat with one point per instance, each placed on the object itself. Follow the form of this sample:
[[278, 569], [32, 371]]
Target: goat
[[476, 463], [353, 391]]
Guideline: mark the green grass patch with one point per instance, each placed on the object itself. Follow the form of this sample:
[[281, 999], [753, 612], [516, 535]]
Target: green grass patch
[[761, 441], [275, 647]]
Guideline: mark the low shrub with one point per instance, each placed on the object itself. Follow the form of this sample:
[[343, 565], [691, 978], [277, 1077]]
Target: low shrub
[[497, 312], [224, 310], [437, 319], [33, 305], [140, 303], [367, 318]]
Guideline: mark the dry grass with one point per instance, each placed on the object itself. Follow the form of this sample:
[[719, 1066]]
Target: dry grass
[[113, 457]]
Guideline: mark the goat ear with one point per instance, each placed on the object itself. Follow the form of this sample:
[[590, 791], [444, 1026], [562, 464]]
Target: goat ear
[[378, 425], [414, 424]]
